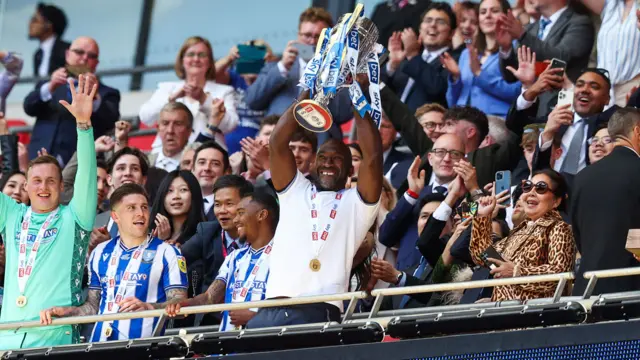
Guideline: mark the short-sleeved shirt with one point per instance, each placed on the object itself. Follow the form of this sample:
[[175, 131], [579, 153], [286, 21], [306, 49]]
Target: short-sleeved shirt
[[162, 268], [235, 272], [293, 249], [56, 278], [619, 42]]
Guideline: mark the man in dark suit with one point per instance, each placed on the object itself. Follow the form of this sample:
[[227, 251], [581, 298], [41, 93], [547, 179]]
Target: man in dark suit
[[390, 156], [211, 161], [397, 15], [606, 205], [54, 127], [47, 26], [561, 33], [418, 78], [277, 84]]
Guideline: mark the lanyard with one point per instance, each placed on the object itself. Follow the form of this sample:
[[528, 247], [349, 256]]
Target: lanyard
[[132, 267], [315, 207], [248, 281], [225, 252], [26, 265]]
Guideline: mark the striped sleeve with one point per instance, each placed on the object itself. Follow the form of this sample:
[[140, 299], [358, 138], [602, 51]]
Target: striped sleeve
[[174, 272], [226, 270], [92, 269]]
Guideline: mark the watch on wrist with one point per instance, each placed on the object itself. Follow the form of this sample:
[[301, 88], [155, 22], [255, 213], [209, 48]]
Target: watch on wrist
[[399, 277], [214, 129]]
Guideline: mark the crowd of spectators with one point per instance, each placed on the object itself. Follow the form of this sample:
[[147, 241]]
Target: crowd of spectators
[[480, 168]]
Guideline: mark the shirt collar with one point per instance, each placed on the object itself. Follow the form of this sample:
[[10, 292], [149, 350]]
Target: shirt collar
[[430, 55], [48, 44], [209, 198], [553, 18], [172, 159]]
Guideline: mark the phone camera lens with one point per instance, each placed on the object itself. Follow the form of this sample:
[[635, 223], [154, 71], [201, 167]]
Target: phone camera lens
[[499, 176]]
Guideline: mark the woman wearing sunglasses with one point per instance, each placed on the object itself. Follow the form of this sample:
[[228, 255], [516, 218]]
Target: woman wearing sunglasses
[[542, 244]]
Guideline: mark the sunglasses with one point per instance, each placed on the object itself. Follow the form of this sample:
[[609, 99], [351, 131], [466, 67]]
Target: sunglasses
[[541, 187]]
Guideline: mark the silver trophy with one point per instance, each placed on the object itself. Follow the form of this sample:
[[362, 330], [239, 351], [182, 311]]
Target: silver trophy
[[348, 49]]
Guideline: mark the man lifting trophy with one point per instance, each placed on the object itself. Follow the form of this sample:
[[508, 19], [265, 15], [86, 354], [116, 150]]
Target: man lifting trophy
[[342, 52]]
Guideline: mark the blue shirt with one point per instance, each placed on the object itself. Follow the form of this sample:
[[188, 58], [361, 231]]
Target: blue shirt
[[235, 272], [248, 117], [162, 268]]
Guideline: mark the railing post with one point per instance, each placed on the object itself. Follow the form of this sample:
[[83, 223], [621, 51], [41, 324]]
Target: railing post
[[376, 306], [590, 286], [350, 309], [559, 289]]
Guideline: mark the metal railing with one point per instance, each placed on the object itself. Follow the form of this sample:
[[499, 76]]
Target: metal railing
[[379, 294], [111, 72]]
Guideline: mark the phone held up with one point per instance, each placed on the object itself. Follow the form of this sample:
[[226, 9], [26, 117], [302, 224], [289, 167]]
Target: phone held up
[[503, 182]]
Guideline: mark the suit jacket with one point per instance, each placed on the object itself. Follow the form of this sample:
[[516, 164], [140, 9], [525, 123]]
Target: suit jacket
[[488, 91], [395, 156], [487, 160], [203, 252], [57, 59], [605, 205], [388, 17], [274, 94], [430, 81], [415, 300], [570, 39], [54, 128]]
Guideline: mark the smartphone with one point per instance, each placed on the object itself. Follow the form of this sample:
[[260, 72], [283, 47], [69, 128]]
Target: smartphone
[[468, 210], [565, 97], [76, 70], [491, 252], [248, 52], [503, 182], [305, 52], [559, 64]]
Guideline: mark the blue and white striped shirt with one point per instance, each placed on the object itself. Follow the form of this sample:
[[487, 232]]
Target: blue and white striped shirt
[[235, 271], [162, 268], [619, 42]]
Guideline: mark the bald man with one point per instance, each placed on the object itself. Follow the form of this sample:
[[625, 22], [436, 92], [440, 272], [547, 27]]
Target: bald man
[[54, 128]]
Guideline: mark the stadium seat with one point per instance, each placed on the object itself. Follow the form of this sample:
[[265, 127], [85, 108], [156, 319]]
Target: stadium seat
[[23, 137]]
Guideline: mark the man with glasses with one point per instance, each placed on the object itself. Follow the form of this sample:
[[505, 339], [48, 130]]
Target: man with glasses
[[573, 123], [399, 228], [277, 84], [418, 76], [53, 129]]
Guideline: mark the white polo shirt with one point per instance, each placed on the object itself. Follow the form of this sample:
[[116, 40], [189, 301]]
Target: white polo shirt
[[293, 247]]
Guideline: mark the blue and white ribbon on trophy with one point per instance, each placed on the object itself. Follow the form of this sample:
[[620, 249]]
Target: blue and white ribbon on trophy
[[310, 74]]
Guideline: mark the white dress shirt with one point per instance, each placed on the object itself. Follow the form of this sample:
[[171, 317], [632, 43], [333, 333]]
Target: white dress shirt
[[433, 183], [284, 72], [566, 142], [168, 163], [208, 202], [47, 48], [150, 110]]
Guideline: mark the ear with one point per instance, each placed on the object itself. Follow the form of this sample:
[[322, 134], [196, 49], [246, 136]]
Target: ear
[[115, 217], [109, 180], [263, 214], [144, 180], [228, 171], [471, 132], [429, 155]]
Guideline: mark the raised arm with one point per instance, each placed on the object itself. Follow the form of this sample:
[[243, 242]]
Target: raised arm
[[281, 160], [85, 201]]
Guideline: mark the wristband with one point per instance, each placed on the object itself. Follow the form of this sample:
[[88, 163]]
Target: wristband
[[214, 129], [412, 194]]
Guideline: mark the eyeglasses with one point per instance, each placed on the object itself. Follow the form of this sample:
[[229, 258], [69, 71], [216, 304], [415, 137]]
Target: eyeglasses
[[438, 21], [432, 125], [604, 140], [441, 153], [81, 53], [541, 187], [199, 55], [309, 36]]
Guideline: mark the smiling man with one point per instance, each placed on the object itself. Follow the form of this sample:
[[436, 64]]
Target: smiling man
[[243, 276], [127, 273], [323, 224], [46, 243], [210, 162]]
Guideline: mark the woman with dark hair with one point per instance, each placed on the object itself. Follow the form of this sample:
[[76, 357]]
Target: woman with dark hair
[[477, 81], [178, 207], [356, 158], [542, 244], [12, 185]]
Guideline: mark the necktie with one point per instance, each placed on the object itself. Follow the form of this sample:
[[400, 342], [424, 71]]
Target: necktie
[[232, 246], [418, 273], [543, 25], [572, 160], [206, 201], [440, 190]]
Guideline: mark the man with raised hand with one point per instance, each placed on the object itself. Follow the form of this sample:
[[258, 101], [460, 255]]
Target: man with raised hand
[[322, 224], [46, 243]]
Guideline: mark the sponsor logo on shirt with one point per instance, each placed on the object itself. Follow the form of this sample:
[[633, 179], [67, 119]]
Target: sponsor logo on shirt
[[129, 276], [49, 235]]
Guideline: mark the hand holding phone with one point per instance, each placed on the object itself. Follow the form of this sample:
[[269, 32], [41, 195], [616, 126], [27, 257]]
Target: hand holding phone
[[565, 97], [491, 253], [559, 64], [503, 182], [305, 52]]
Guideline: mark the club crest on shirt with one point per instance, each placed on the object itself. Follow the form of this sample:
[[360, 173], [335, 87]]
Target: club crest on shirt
[[148, 256], [182, 264]]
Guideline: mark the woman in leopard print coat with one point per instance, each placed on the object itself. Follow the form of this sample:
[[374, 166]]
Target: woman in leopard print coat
[[542, 244]]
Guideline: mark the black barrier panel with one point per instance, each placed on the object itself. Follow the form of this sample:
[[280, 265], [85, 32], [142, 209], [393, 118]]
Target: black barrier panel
[[235, 342], [458, 322], [615, 310], [152, 348]]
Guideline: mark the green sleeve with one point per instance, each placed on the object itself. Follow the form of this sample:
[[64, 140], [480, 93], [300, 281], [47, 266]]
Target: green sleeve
[[8, 206], [85, 198]]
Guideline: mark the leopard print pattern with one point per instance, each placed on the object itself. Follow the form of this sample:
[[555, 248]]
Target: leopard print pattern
[[544, 246]]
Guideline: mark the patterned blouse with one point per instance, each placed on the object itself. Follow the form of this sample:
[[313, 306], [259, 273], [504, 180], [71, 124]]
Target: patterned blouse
[[544, 246]]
